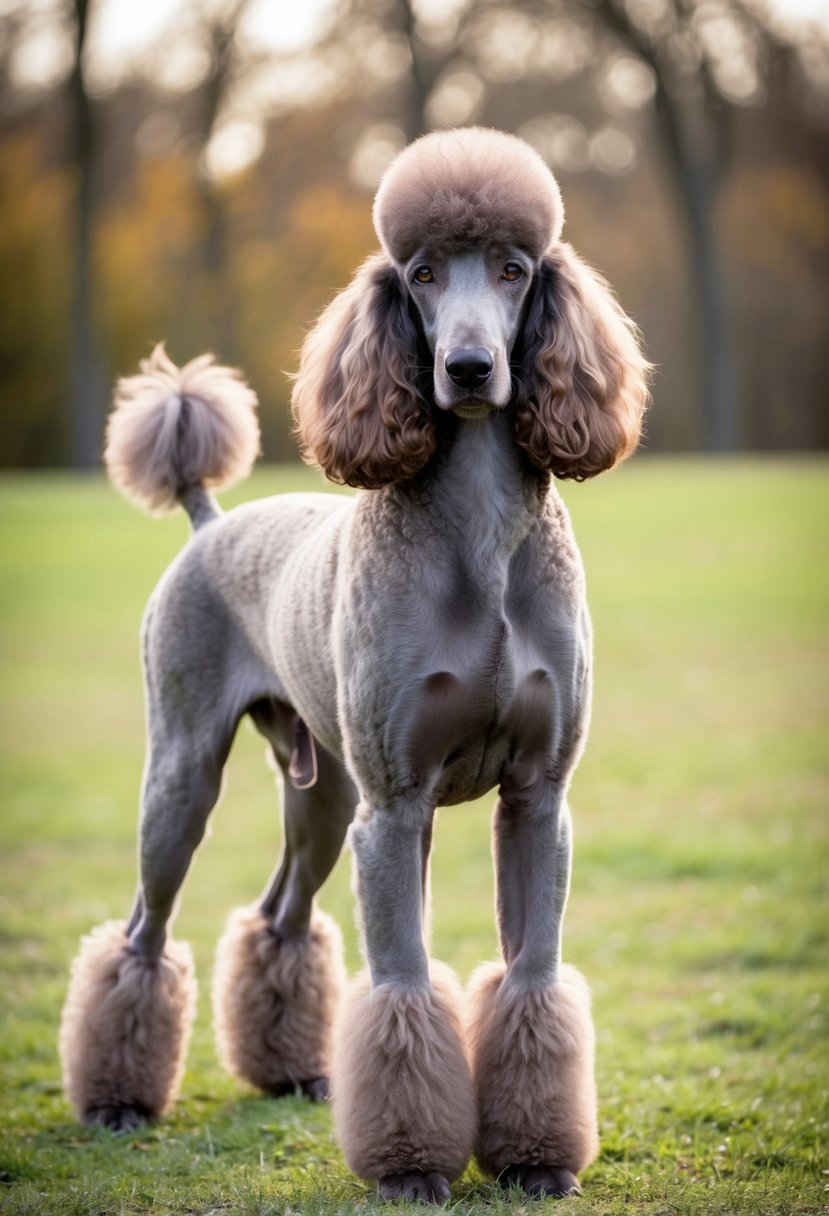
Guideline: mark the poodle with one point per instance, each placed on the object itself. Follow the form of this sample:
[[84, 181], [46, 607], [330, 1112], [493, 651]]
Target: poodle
[[411, 646]]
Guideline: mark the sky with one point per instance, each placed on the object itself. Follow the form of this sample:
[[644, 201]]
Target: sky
[[121, 29], [291, 23], [284, 24]]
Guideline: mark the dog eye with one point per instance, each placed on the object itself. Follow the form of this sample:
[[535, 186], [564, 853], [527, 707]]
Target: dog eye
[[512, 272], [423, 274]]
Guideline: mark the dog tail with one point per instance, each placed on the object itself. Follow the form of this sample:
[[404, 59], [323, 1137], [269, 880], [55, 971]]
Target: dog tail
[[175, 434]]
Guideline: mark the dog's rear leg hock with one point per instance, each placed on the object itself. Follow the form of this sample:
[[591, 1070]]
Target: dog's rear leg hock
[[127, 1017], [402, 1092], [279, 975], [274, 1002], [125, 1027]]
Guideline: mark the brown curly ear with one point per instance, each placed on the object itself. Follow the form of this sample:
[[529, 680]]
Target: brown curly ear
[[583, 387], [358, 410]]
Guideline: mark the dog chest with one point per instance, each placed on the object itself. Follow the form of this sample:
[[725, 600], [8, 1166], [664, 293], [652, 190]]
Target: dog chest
[[446, 735]]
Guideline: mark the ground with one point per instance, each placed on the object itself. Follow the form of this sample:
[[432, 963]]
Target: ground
[[698, 908]]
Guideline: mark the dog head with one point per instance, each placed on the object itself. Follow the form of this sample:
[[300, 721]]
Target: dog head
[[474, 305]]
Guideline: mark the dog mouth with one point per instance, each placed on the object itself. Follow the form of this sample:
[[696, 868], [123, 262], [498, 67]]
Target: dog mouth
[[472, 409]]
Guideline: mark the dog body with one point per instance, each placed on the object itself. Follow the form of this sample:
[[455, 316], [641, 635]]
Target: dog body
[[414, 646], [467, 589]]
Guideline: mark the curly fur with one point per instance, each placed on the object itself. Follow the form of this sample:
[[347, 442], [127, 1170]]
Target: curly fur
[[363, 400], [532, 1062], [453, 190], [359, 411], [125, 1025], [583, 385], [402, 1092], [274, 1001], [172, 428]]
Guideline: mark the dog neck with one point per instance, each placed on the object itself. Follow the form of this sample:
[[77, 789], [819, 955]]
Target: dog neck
[[479, 493]]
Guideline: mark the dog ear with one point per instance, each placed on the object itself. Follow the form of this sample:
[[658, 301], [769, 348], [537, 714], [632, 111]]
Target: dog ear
[[583, 390], [358, 411]]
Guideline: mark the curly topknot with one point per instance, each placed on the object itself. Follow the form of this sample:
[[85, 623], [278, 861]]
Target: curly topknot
[[460, 188]]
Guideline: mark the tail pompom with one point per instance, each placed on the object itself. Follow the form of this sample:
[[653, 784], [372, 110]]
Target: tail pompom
[[172, 428]]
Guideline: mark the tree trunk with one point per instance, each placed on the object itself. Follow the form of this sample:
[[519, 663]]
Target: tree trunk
[[692, 141], [718, 380], [87, 380], [426, 66], [694, 173], [219, 314]]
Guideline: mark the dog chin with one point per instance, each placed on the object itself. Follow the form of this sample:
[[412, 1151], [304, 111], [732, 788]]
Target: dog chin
[[472, 409], [469, 407]]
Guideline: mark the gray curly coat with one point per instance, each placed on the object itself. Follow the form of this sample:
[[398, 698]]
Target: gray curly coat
[[413, 646]]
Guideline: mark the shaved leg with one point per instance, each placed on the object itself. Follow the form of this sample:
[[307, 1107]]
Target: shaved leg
[[403, 1101], [531, 1031]]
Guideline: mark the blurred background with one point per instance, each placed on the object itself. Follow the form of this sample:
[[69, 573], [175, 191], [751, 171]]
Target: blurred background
[[202, 173]]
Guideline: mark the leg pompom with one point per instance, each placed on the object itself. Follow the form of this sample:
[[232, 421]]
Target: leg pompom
[[532, 1061], [125, 1027], [403, 1102], [274, 1002]]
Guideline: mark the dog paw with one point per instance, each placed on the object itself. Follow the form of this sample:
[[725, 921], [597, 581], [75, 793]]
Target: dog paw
[[421, 1188], [117, 1118], [318, 1090], [541, 1181]]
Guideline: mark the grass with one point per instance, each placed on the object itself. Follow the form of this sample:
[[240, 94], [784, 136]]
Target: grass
[[698, 908]]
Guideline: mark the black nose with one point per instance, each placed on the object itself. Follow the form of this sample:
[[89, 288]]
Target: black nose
[[469, 368]]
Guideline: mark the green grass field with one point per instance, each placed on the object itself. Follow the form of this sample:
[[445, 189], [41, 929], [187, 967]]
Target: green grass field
[[698, 909]]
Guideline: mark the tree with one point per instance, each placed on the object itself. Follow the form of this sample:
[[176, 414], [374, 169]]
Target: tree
[[696, 86], [87, 392], [706, 61], [227, 180], [221, 29]]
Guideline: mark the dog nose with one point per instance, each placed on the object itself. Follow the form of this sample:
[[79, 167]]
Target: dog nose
[[469, 368]]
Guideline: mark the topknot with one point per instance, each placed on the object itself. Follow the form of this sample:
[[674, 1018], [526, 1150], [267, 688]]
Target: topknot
[[460, 188]]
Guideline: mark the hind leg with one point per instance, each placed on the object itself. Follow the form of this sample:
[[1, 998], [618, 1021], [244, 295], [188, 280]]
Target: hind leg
[[128, 1013], [279, 969]]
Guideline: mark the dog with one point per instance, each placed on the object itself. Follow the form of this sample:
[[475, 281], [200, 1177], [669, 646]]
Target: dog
[[415, 645]]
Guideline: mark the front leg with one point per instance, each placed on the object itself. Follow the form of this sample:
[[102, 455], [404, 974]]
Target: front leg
[[531, 1031], [402, 1092]]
